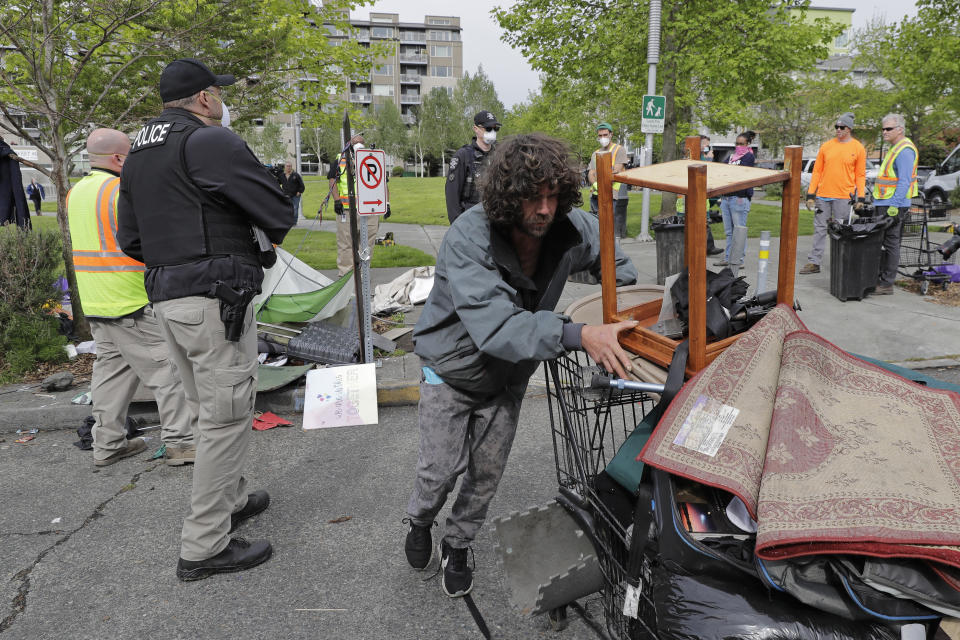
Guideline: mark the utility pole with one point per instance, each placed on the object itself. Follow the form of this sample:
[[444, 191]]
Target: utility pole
[[653, 58]]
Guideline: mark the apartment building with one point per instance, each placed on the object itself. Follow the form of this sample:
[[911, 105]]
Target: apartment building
[[423, 56]]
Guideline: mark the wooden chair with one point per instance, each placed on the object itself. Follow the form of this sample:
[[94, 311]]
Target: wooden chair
[[697, 181]]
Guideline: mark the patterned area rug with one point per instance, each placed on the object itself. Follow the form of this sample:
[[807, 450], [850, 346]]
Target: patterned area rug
[[829, 453]]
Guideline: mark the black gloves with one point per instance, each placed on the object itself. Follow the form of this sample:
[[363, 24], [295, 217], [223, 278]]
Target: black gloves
[[387, 214], [338, 208]]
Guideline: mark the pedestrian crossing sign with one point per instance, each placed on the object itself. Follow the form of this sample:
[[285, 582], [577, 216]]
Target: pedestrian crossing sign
[[653, 114]]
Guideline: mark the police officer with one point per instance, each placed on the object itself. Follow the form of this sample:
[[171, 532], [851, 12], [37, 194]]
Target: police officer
[[467, 165], [190, 192]]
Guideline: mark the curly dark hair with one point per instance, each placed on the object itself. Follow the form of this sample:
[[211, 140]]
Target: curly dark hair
[[519, 167]]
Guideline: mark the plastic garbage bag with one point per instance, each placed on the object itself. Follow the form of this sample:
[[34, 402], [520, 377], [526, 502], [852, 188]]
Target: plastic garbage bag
[[859, 228], [709, 608]]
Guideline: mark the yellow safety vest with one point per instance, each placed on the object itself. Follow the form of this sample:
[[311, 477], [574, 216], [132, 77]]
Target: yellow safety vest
[[110, 282], [614, 147], [342, 186], [886, 182]]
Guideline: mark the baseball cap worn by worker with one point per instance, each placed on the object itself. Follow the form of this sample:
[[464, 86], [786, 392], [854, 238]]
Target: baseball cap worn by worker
[[604, 125], [846, 120], [184, 77], [485, 119]]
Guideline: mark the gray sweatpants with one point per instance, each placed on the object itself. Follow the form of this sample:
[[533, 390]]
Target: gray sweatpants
[[826, 210], [130, 350], [220, 379], [461, 436]]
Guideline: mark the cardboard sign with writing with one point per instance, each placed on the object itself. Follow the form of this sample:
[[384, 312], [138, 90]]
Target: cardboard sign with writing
[[341, 397]]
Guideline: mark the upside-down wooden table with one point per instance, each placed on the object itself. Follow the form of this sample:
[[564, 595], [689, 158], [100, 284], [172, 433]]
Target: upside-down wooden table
[[697, 181]]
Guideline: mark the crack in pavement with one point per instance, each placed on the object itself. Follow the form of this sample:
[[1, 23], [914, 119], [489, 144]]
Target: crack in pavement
[[49, 532], [20, 600]]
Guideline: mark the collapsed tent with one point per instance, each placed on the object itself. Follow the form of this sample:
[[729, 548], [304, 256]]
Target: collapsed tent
[[293, 291]]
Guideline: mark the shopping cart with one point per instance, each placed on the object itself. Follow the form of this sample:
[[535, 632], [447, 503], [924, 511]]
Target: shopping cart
[[588, 426], [918, 255]]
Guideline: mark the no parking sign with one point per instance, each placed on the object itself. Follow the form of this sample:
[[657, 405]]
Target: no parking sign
[[371, 182]]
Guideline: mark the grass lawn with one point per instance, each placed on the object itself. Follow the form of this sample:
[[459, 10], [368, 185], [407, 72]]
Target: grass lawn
[[319, 250], [422, 201]]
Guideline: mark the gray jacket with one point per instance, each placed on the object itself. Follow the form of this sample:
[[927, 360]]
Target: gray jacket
[[486, 326]]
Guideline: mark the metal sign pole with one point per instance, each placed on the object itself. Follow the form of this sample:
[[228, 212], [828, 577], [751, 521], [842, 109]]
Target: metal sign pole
[[653, 58], [361, 257]]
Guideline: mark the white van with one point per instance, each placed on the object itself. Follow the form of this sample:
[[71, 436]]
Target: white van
[[941, 182]]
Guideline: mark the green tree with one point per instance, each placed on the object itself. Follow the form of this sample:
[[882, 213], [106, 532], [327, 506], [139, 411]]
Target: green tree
[[472, 94], [559, 110], [78, 65], [717, 58], [441, 125], [917, 62], [389, 131], [266, 141]]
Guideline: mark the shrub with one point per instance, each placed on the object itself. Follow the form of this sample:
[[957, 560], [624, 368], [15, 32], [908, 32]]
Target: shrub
[[30, 264], [397, 172], [774, 190], [955, 197]]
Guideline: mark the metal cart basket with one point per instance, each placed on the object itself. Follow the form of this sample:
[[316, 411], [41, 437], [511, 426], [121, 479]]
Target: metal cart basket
[[918, 256], [588, 426]]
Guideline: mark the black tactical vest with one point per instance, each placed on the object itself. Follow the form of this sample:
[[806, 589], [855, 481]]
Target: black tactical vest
[[471, 190], [178, 221]]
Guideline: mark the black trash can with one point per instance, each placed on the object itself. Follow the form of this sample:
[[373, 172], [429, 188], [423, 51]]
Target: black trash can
[[669, 235], [855, 256]]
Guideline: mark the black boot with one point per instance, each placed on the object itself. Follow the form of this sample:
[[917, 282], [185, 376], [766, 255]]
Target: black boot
[[237, 556]]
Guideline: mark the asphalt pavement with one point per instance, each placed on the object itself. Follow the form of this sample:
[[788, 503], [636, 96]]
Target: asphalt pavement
[[91, 554]]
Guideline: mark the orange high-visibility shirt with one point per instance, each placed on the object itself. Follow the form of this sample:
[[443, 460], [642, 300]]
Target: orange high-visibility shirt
[[840, 167]]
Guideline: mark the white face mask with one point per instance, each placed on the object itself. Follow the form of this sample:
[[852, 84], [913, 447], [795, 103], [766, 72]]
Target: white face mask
[[603, 140], [489, 137], [225, 118], [358, 146]]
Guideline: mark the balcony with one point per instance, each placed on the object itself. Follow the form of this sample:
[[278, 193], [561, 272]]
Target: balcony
[[410, 99], [413, 58], [413, 38], [363, 98], [408, 118], [409, 79]]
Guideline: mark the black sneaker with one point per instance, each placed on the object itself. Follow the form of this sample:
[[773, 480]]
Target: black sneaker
[[418, 545], [457, 576]]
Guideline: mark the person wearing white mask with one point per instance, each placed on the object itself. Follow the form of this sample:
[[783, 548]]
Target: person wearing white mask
[[468, 164], [190, 193], [618, 160]]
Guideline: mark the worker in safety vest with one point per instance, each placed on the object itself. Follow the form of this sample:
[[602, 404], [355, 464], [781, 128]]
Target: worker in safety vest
[[340, 189], [618, 160], [130, 346], [896, 184]]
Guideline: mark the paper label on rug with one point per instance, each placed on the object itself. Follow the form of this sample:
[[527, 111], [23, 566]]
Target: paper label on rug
[[341, 397], [707, 425]]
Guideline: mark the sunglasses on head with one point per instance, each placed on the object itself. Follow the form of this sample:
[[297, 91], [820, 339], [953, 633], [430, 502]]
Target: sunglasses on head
[[840, 126], [889, 128]]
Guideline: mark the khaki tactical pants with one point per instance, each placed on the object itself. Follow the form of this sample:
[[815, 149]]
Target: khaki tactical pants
[[344, 245], [220, 380], [130, 350]]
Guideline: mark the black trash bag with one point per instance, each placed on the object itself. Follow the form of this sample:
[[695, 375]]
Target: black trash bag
[[712, 608], [834, 583], [85, 431], [859, 228], [723, 291], [133, 428]]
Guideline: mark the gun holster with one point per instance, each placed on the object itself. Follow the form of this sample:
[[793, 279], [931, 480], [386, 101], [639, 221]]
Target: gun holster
[[233, 307]]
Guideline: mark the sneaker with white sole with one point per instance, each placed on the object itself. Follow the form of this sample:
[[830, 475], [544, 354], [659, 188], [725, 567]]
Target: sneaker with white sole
[[457, 576], [419, 545]]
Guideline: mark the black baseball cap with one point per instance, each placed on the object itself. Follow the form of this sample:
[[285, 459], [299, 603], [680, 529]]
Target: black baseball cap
[[485, 119], [184, 77]]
